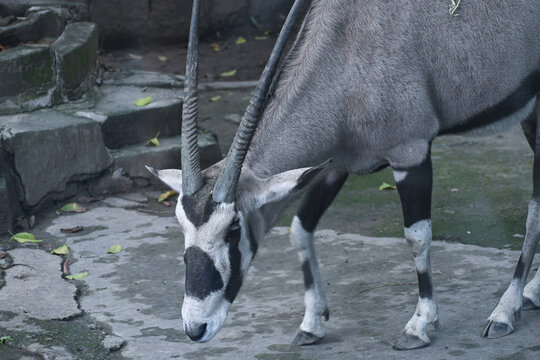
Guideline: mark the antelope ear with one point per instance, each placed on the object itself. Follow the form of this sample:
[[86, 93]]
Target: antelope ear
[[171, 177], [280, 186]]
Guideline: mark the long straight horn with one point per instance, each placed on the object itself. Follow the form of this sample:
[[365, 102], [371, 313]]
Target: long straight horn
[[191, 164], [225, 189]]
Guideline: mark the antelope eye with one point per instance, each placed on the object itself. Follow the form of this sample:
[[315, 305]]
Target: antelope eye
[[234, 232]]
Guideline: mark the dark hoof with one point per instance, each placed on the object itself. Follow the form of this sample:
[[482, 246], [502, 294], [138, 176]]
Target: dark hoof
[[408, 342], [305, 338], [495, 330], [326, 314], [529, 305]]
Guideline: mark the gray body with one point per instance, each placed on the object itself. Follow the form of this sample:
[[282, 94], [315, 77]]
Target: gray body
[[372, 82], [368, 84]]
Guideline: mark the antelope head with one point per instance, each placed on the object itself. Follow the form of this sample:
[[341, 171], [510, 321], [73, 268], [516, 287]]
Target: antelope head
[[219, 209]]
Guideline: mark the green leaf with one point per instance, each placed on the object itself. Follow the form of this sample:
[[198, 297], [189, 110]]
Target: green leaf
[[386, 186], [216, 47], [72, 207], [255, 22], [114, 249], [166, 195], [25, 237], [162, 58], [261, 37], [241, 40], [153, 141], [4, 339], [62, 250], [143, 101], [215, 98], [77, 276], [228, 73]]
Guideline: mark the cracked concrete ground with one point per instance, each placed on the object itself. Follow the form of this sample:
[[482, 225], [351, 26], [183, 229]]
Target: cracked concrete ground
[[136, 295], [129, 305]]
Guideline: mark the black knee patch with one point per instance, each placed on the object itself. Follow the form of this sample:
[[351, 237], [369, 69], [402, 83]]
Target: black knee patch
[[425, 286], [415, 193], [308, 276], [520, 268], [317, 200]]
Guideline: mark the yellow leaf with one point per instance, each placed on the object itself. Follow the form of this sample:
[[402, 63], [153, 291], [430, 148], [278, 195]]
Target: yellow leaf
[[166, 195], [77, 276], [228, 73], [216, 47], [73, 207], [143, 101], [114, 249], [162, 58], [385, 186], [62, 250], [153, 141], [25, 237], [215, 98], [261, 37], [241, 40]]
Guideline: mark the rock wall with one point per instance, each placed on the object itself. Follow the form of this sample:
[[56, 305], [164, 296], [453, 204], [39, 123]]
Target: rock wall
[[135, 22]]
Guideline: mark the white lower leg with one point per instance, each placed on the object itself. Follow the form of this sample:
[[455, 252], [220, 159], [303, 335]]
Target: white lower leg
[[532, 290], [509, 305], [314, 298], [427, 312]]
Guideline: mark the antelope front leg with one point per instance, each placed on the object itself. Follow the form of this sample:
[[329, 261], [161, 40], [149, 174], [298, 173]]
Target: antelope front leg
[[414, 187], [317, 200]]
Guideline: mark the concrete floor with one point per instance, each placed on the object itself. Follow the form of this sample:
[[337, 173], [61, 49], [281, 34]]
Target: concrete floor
[[132, 299]]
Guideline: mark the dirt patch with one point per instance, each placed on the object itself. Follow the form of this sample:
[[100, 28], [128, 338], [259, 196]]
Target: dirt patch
[[248, 58]]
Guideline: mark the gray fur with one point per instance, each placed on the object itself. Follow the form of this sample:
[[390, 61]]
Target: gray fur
[[372, 82]]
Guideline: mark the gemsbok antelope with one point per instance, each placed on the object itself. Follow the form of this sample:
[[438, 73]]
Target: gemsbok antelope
[[367, 84]]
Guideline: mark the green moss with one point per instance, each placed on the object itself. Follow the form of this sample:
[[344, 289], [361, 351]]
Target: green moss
[[480, 195]]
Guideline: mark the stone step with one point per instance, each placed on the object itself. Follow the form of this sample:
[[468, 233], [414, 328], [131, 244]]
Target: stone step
[[132, 159], [48, 150], [123, 123]]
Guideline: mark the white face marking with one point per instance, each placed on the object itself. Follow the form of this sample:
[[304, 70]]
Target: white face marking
[[399, 176], [210, 238]]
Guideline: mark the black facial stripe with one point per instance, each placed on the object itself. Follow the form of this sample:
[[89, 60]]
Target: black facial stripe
[[528, 89], [202, 277], [308, 276], [415, 193], [235, 281], [520, 268], [425, 285], [317, 200], [253, 246], [198, 212]]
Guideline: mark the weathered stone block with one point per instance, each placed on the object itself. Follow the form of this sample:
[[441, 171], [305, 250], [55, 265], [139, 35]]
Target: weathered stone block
[[27, 78], [5, 210], [37, 25], [19, 7], [51, 150], [76, 59], [124, 123], [132, 159]]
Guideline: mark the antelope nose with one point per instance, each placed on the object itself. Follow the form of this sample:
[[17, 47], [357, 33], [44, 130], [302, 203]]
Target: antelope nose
[[197, 333]]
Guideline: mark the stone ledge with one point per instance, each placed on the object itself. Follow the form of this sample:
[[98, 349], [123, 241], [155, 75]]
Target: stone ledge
[[124, 123], [132, 159], [76, 59], [47, 140], [27, 78]]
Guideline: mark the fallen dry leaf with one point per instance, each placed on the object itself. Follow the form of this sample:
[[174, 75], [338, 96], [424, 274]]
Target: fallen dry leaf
[[65, 267], [31, 221], [135, 57], [72, 230]]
